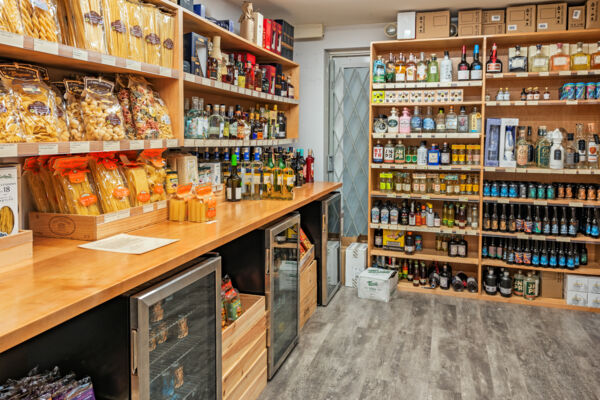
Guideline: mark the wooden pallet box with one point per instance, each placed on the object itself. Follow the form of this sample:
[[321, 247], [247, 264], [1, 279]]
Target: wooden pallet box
[[308, 291]]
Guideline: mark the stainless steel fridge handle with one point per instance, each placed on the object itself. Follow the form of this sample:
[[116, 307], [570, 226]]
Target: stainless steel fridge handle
[[134, 352], [267, 261]]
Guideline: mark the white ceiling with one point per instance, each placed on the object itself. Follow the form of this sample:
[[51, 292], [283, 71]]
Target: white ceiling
[[351, 12]]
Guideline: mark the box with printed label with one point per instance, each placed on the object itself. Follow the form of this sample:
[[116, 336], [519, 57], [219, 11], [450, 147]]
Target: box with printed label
[[577, 298], [576, 19], [195, 51], [594, 300], [493, 16], [393, 239], [356, 262], [521, 19], [551, 17], [9, 200], [434, 24], [594, 285], [466, 17], [377, 284], [592, 14], [577, 283], [406, 25]]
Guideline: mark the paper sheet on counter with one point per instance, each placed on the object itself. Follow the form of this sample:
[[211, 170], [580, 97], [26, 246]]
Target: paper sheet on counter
[[128, 244]]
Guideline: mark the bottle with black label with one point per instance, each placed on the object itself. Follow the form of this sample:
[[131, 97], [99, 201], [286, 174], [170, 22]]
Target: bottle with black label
[[379, 238], [453, 247], [463, 247], [511, 220], [505, 285], [445, 277], [472, 284], [490, 284], [404, 214], [487, 224]]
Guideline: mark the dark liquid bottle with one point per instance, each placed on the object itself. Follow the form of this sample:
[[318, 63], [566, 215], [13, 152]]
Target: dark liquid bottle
[[484, 248], [487, 224], [512, 227], [459, 282], [510, 252], [503, 220], [535, 254], [505, 285], [445, 277], [495, 218], [490, 284], [544, 256], [554, 226], [583, 255], [528, 221], [537, 221], [546, 227], [493, 65]]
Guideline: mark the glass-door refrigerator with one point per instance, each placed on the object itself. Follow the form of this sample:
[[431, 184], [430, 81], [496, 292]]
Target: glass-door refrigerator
[[322, 221], [265, 262], [176, 335]]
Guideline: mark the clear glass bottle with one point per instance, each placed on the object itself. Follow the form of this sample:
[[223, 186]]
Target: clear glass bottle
[[462, 124], [416, 122], [390, 69], [388, 152], [561, 60], [518, 62], [475, 121], [411, 69], [539, 62], [581, 146], [557, 151], [378, 70], [571, 154], [522, 149], [542, 148], [400, 69], [580, 61], [216, 123], [192, 120], [289, 178], [257, 171], [440, 121], [451, 120], [393, 122], [422, 69], [246, 174], [428, 121], [433, 70], [593, 146], [422, 154], [446, 68], [267, 178]]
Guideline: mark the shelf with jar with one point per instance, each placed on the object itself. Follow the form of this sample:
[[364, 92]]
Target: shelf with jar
[[444, 157], [413, 185]]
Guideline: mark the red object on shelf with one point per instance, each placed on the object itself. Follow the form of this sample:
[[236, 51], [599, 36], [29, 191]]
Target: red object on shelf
[[277, 32], [267, 34]]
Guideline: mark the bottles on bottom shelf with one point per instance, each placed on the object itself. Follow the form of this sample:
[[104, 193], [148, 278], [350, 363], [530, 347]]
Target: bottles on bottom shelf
[[431, 276], [409, 243], [498, 280]]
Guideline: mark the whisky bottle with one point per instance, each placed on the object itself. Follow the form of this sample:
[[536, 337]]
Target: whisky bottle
[[580, 61], [493, 65], [411, 69], [595, 58], [560, 61], [517, 63], [463, 73], [234, 183], [390, 69]]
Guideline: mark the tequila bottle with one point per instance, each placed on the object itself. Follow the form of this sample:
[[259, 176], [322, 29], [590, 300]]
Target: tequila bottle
[[595, 58], [518, 62], [522, 149], [580, 61], [216, 123], [560, 61], [542, 149], [246, 172], [539, 62], [257, 171], [433, 70], [451, 120]]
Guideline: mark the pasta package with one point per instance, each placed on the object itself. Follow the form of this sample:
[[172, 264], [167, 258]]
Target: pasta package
[[73, 92], [143, 108], [65, 22], [137, 181], [10, 17], [10, 125], [165, 130], [34, 103], [135, 39], [62, 126], [40, 19], [9, 201], [124, 94], [154, 165], [54, 192], [113, 193], [150, 28], [72, 174], [115, 17], [101, 111], [88, 24], [36, 185], [167, 33]]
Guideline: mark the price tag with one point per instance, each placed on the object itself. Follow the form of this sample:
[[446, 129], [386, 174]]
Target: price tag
[[111, 146], [235, 88], [519, 103], [503, 201], [110, 217], [219, 85], [521, 236], [248, 92], [522, 75], [189, 143], [491, 103], [108, 60], [563, 239], [132, 64], [122, 214], [540, 202], [8, 150], [571, 102], [575, 204], [378, 86], [498, 75], [136, 144], [426, 197], [79, 147], [172, 143], [47, 149], [11, 39], [161, 204], [164, 71], [79, 54], [45, 47], [390, 195], [532, 103], [544, 74], [504, 103], [583, 72], [156, 143], [147, 208], [564, 73], [189, 77]]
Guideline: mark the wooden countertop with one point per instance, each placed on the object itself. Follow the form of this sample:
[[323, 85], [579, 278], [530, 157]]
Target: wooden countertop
[[64, 280]]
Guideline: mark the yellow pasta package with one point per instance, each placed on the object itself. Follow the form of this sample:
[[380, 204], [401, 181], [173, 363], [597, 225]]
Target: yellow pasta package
[[150, 29], [33, 102], [154, 165], [54, 192], [73, 91], [135, 39], [72, 174], [62, 126], [101, 111], [10, 17], [179, 204], [165, 131], [137, 181], [88, 24], [167, 33], [10, 127], [113, 193], [115, 18], [65, 22], [40, 19], [32, 175], [143, 108]]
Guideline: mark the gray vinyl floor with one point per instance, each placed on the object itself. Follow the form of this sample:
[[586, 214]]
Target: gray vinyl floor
[[422, 346]]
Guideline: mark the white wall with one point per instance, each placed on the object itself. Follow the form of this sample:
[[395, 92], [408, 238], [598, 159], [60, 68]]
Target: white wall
[[313, 96]]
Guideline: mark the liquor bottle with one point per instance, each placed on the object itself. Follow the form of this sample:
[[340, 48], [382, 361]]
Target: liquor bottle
[[557, 151], [493, 65], [378, 240], [490, 284], [511, 225], [503, 222], [446, 68], [475, 121], [462, 120], [593, 144], [393, 121], [433, 155], [440, 120], [192, 120], [256, 168], [539, 62], [234, 183], [411, 69], [422, 69], [517, 63], [451, 120], [433, 70], [213, 62], [487, 222], [580, 146], [554, 225], [428, 122], [390, 69], [571, 153], [595, 58], [522, 149], [404, 121], [258, 79], [388, 153], [231, 71], [580, 61], [416, 122], [216, 123], [594, 231], [445, 154], [476, 66], [246, 174], [267, 177], [249, 72], [422, 154], [560, 61], [564, 226], [537, 221], [288, 179], [463, 247], [290, 89], [494, 218], [542, 148], [573, 224], [459, 282], [378, 70], [400, 69], [309, 172], [530, 149], [463, 69]]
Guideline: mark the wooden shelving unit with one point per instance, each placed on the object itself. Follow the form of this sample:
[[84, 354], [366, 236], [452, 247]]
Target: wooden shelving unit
[[551, 113]]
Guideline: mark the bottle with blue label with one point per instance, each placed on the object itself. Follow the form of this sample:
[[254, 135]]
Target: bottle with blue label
[[433, 155], [378, 70], [428, 121], [570, 258], [375, 213], [544, 259], [562, 257], [535, 254], [553, 259], [416, 122]]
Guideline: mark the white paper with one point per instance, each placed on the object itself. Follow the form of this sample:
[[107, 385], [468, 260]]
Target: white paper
[[47, 149], [128, 244], [45, 47], [172, 143], [111, 146], [11, 39], [165, 71]]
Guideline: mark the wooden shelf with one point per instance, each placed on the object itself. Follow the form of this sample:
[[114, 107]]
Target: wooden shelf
[[510, 170], [447, 103], [58, 55], [50, 148], [426, 85], [524, 236], [456, 168], [538, 301], [427, 255], [236, 143], [542, 103], [541, 75], [583, 270], [441, 229], [233, 91], [428, 196], [540, 202], [429, 135], [404, 286]]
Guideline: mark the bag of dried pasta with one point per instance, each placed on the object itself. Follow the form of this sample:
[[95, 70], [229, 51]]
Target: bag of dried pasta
[[101, 111], [113, 193], [154, 165], [10, 17], [150, 28], [165, 131], [32, 175], [10, 126], [143, 108], [54, 192], [167, 33], [115, 17], [88, 22], [135, 38], [66, 22], [40, 19], [60, 109], [73, 92], [124, 94], [137, 181], [72, 174], [33, 101]]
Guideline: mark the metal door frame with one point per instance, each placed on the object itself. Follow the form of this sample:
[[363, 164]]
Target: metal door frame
[[325, 297]]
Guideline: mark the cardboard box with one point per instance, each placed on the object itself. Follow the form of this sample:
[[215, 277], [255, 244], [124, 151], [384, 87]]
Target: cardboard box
[[277, 31], [200, 10], [594, 300], [577, 283], [521, 19], [507, 158], [552, 285], [577, 298], [592, 14], [434, 24], [377, 284], [594, 285], [405, 23], [576, 18], [195, 51], [493, 29], [493, 16], [9, 201], [356, 262], [470, 17], [258, 28], [551, 17], [469, 30], [267, 33], [393, 240]]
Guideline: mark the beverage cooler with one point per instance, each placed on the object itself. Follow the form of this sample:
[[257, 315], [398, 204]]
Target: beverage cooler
[[322, 221], [265, 262]]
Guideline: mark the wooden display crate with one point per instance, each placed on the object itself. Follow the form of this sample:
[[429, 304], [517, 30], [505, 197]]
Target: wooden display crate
[[308, 291], [244, 351], [15, 248], [94, 227]]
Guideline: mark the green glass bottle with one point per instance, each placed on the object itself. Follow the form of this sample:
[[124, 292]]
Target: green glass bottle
[[433, 70]]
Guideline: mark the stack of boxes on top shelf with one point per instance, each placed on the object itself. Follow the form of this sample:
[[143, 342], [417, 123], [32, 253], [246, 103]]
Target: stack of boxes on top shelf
[[518, 19]]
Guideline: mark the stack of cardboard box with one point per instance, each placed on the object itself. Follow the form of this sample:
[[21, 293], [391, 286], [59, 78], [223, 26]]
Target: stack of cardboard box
[[432, 25], [493, 22], [469, 22]]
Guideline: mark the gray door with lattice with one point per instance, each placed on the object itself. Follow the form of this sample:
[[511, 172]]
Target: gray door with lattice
[[348, 142]]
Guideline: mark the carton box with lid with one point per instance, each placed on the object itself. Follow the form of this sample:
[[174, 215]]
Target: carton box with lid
[[552, 285], [577, 283], [493, 16], [592, 14], [435, 24], [356, 262], [576, 19], [470, 17], [577, 298], [551, 17], [377, 284], [493, 29], [469, 29], [521, 19]]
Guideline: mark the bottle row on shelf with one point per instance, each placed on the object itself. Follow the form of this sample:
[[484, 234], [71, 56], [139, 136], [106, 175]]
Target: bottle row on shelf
[[419, 183], [417, 214], [416, 122], [411, 244], [498, 280], [568, 91], [547, 191], [456, 154]]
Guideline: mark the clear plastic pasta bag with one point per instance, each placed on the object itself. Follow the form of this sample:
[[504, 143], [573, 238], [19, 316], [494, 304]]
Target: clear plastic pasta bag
[[154, 165], [32, 175], [88, 24], [73, 92], [10, 127], [101, 111], [143, 108], [40, 19], [72, 174], [10, 17]]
